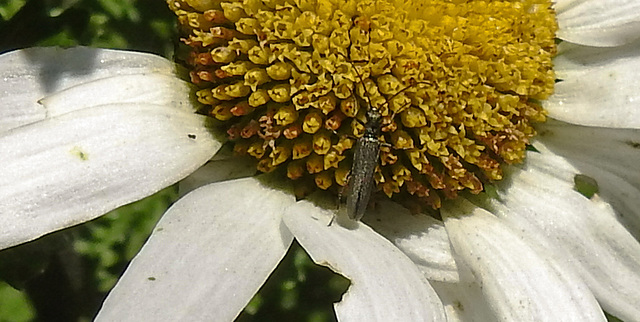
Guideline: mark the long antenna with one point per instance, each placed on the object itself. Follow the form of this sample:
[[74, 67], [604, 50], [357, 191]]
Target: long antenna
[[366, 92]]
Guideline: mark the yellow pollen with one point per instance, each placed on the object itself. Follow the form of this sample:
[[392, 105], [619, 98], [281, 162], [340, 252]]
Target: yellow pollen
[[457, 85], [324, 180], [342, 175], [259, 98], [312, 122], [321, 143], [301, 149]]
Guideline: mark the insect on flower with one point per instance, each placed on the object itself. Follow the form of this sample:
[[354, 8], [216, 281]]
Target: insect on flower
[[365, 160], [365, 157]]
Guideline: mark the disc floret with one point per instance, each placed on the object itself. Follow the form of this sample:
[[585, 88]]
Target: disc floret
[[455, 83]]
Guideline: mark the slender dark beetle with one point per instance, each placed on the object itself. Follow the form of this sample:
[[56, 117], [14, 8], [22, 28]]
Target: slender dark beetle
[[365, 160]]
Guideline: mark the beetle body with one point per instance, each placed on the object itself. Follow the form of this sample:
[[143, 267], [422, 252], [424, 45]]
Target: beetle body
[[365, 161]]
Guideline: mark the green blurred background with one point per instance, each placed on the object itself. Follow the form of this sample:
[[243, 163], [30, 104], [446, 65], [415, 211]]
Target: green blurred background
[[66, 275]]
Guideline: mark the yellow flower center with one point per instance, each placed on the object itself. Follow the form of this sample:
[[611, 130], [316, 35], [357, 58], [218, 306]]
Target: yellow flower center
[[457, 84]]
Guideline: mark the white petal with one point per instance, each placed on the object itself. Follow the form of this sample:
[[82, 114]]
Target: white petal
[[519, 284], [599, 87], [223, 167], [617, 177], [614, 150], [385, 284], [576, 60], [207, 257], [154, 88], [600, 23], [464, 302], [541, 205], [30, 74], [616, 191], [70, 169], [422, 238]]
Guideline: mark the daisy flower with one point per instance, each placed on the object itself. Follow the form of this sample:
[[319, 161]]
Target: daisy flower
[[502, 234]]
